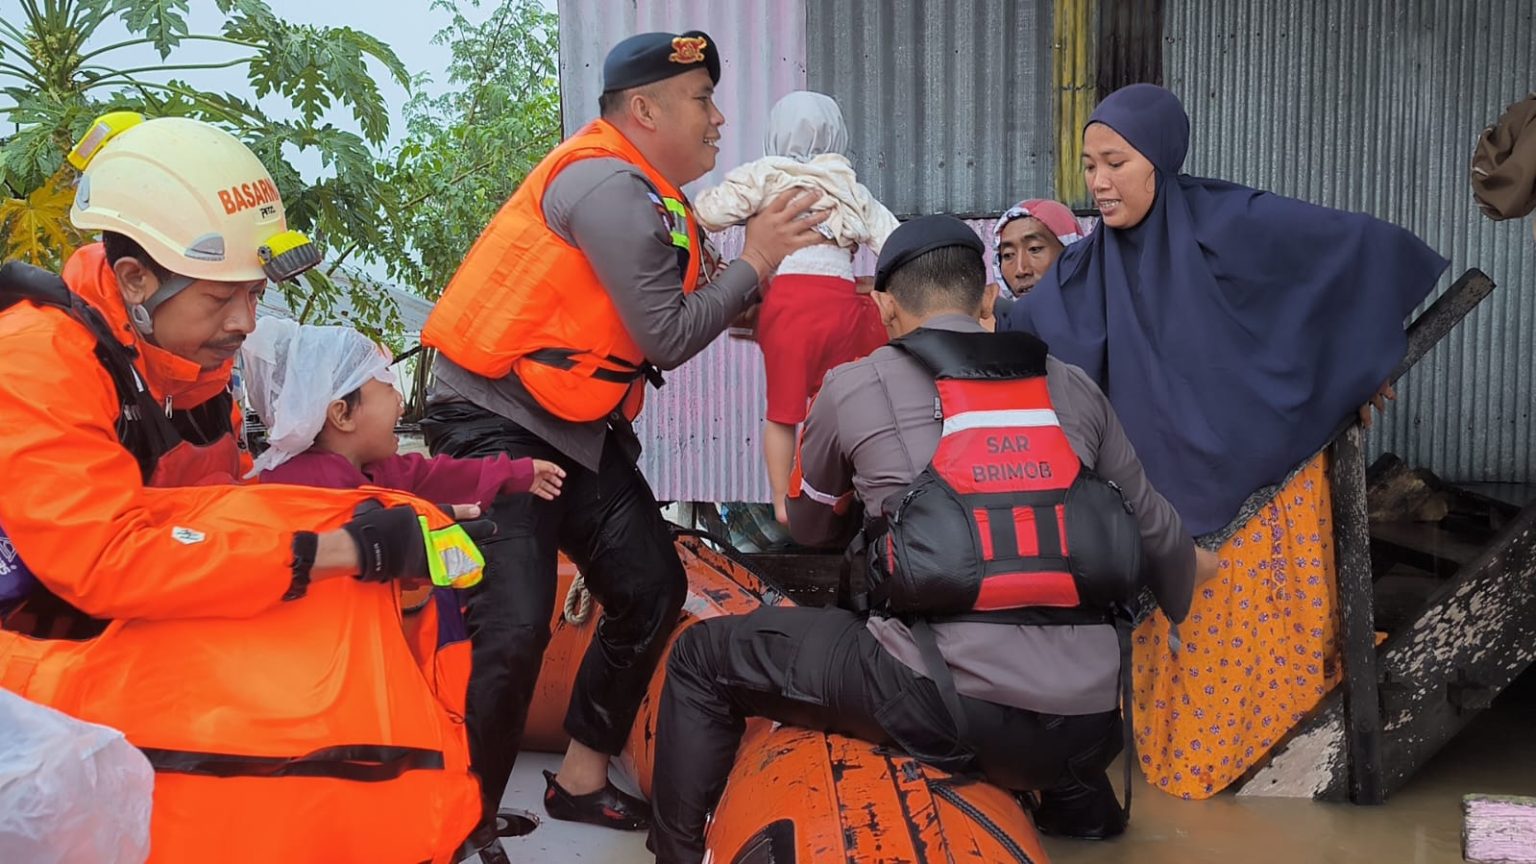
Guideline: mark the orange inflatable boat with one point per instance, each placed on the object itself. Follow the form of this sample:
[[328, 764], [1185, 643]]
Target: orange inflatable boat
[[797, 796]]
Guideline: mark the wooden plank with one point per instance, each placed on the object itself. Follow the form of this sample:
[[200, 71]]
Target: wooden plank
[[811, 577], [1470, 641], [1357, 619], [1426, 540], [1314, 760], [1498, 829], [1443, 315]]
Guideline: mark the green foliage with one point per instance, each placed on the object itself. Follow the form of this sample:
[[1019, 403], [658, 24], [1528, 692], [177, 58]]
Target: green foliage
[[59, 81], [163, 21], [466, 151], [37, 227], [415, 213]]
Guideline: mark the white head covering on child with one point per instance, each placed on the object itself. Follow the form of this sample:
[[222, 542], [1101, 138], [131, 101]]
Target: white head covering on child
[[804, 125], [293, 372]]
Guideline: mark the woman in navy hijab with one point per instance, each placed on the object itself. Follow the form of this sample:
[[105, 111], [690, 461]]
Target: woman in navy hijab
[[1233, 330]]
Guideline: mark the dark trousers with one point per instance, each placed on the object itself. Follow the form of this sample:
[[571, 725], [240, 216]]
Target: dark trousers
[[609, 524], [822, 669]]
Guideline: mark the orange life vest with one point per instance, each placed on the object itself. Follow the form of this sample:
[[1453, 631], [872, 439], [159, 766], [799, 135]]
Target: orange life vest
[[319, 722], [526, 302]]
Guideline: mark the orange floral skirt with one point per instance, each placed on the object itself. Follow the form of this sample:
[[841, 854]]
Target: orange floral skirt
[[1260, 648]]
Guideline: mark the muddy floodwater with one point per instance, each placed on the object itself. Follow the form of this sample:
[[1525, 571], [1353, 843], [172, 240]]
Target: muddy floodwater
[[1419, 825]]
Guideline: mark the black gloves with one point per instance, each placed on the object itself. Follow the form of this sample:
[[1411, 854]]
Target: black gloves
[[395, 543]]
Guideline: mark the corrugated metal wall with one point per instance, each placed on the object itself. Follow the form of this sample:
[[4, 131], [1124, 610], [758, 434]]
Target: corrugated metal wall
[[1370, 105], [702, 432], [762, 57], [948, 104], [1374, 105], [1130, 49]]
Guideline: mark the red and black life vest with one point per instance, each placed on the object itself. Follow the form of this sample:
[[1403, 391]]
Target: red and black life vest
[[1005, 522]]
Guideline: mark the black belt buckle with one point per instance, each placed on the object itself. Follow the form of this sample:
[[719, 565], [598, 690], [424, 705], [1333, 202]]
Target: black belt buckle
[[653, 375]]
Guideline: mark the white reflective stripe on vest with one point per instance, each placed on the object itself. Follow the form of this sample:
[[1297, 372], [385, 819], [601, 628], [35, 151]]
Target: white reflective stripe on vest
[[967, 420], [821, 497]]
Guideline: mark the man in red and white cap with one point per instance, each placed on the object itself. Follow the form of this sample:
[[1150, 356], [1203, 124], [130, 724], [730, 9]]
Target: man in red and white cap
[[1029, 237]]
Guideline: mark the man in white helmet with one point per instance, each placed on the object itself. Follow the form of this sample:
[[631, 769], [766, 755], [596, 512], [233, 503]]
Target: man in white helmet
[[247, 638]]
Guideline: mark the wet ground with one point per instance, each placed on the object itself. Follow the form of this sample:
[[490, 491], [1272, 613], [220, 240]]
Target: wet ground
[[1419, 825]]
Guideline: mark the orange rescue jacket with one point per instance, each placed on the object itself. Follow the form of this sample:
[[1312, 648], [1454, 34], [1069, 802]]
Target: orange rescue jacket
[[299, 731], [528, 303]]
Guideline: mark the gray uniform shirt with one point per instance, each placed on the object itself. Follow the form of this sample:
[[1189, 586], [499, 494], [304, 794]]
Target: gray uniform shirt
[[604, 207], [871, 431]]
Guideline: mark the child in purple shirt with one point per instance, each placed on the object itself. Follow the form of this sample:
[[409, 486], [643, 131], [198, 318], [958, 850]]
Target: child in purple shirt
[[328, 399]]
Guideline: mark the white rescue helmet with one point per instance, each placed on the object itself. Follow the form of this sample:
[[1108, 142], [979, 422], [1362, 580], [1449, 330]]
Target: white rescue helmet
[[192, 195]]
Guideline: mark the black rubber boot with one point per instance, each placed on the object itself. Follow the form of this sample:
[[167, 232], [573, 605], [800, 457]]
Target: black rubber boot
[[1085, 811]]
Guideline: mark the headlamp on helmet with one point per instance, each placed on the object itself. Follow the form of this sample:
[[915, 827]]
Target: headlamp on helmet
[[286, 255]]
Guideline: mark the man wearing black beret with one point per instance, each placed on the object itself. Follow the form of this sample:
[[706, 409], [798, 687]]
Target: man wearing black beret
[[591, 279], [1030, 706]]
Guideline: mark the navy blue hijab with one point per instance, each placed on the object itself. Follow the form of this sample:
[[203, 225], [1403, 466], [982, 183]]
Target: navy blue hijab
[[1232, 329]]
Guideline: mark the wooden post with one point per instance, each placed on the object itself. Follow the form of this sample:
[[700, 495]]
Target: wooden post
[[1481, 621], [1352, 557], [1442, 315]]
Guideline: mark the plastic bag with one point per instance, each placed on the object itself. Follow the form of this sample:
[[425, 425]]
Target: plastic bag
[[71, 792], [293, 371]]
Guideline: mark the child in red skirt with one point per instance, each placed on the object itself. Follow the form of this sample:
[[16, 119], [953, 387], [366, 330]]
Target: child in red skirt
[[814, 314]]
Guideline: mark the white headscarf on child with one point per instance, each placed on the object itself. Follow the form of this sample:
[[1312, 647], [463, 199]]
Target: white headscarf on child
[[804, 125], [293, 372]]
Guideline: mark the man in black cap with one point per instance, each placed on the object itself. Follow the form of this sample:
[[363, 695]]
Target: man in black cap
[[590, 279], [1039, 703]]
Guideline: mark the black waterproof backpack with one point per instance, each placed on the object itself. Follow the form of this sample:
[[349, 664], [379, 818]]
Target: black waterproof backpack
[[1005, 522]]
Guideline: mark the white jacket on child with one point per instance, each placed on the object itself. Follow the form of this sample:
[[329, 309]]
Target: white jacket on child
[[856, 217]]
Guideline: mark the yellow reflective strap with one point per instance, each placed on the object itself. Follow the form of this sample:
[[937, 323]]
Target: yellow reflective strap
[[453, 560], [104, 129], [680, 239]]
